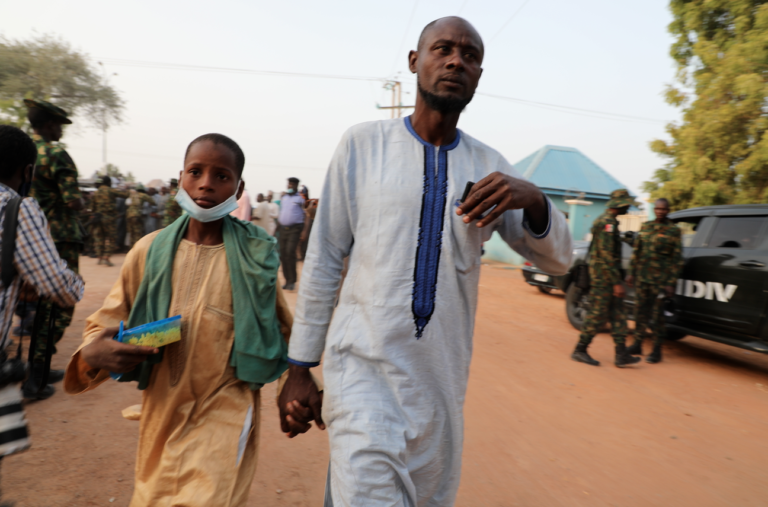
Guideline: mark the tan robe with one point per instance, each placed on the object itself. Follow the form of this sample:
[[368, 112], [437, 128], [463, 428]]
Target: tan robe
[[198, 437]]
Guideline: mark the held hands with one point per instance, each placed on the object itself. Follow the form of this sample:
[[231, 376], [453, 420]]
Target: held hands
[[506, 193], [107, 354], [618, 291], [299, 402]]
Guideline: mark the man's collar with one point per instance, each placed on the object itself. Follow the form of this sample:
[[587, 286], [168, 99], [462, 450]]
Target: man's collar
[[37, 138]]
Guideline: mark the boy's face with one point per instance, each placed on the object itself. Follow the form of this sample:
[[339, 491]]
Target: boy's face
[[210, 175]]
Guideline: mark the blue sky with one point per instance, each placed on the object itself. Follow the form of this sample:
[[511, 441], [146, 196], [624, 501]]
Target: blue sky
[[600, 55]]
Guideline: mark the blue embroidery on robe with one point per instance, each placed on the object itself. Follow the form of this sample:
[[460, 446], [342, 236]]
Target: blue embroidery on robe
[[430, 241]]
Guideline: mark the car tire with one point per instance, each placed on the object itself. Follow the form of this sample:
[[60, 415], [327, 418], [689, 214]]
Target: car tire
[[674, 335], [544, 290], [576, 305]]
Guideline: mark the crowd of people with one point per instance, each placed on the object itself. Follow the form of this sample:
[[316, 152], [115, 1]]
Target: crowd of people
[[387, 296]]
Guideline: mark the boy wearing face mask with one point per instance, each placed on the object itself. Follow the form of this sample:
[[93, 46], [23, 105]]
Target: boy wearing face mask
[[200, 411]]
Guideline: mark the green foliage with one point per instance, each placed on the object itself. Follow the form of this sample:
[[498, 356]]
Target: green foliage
[[48, 68], [719, 154], [113, 171]]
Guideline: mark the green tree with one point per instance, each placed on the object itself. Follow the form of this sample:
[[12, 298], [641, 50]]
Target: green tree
[[48, 68], [719, 153], [113, 171]]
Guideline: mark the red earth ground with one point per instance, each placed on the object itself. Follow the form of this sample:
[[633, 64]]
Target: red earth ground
[[541, 430]]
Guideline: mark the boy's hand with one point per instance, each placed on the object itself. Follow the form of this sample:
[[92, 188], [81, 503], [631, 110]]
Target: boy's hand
[[107, 354], [299, 402]]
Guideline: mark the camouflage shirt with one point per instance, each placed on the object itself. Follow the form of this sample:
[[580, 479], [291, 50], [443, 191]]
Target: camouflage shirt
[[103, 201], [657, 258], [172, 209], [137, 201], [605, 252], [55, 185]]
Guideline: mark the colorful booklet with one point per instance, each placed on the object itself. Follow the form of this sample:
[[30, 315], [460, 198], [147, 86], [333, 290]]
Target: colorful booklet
[[153, 334]]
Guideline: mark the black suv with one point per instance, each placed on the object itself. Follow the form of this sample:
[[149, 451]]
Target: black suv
[[722, 294]]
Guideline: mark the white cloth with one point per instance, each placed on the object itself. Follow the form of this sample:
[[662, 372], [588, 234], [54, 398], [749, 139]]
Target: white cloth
[[264, 215], [393, 403], [243, 211]]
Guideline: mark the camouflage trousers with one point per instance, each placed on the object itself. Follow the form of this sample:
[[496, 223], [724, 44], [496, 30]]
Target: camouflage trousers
[[603, 306], [104, 234], [649, 312], [70, 252], [135, 229]]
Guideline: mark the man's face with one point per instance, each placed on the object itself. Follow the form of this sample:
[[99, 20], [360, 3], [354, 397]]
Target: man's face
[[294, 185], [260, 198], [448, 64], [210, 174], [55, 130], [623, 210], [164, 191], [661, 209]]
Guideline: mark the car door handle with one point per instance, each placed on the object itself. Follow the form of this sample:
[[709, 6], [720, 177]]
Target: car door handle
[[752, 264]]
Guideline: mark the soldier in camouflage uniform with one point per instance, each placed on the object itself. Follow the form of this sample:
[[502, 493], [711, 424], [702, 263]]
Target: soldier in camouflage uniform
[[134, 215], [657, 261], [172, 208], [606, 296], [86, 218], [56, 190], [105, 228]]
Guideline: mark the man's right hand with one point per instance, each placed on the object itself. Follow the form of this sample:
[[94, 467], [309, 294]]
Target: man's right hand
[[299, 402], [107, 354], [618, 291]]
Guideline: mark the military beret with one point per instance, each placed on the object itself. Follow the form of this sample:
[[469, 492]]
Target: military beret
[[49, 108]]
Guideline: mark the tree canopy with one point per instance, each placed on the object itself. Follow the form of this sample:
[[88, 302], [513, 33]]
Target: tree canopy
[[719, 153], [48, 68]]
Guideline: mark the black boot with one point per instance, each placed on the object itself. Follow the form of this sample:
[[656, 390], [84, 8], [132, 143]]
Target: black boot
[[580, 355], [32, 390], [55, 376], [655, 356], [623, 358], [636, 349]]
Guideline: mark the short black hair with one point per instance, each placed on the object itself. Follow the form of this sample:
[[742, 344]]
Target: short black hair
[[293, 180], [662, 199], [433, 23], [39, 117], [17, 150], [226, 141], [106, 180]]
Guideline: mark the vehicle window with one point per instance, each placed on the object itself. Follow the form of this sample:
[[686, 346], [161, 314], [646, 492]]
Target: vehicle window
[[736, 232], [688, 228]]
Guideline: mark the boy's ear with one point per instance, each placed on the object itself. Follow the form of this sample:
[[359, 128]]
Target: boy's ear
[[240, 189]]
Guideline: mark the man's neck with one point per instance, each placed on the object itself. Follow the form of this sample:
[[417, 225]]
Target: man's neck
[[433, 126], [661, 221], [205, 233], [45, 137]]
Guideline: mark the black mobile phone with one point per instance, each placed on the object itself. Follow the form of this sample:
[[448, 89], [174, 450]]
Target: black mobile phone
[[467, 189]]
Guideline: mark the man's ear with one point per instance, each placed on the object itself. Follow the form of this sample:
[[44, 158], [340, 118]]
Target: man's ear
[[241, 189], [413, 57]]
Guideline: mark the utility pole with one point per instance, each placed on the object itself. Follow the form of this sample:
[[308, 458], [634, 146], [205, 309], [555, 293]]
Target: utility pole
[[396, 88]]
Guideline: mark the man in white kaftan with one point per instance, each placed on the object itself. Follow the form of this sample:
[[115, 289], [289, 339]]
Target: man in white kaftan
[[398, 344]]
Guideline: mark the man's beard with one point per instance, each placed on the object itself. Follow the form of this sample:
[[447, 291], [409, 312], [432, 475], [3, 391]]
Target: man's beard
[[445, 105]]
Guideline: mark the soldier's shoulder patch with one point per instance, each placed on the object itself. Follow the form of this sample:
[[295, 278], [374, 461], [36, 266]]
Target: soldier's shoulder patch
[[608, 227]]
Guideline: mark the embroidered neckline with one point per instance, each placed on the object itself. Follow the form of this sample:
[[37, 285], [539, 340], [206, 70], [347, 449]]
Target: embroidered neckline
[[430, 238]]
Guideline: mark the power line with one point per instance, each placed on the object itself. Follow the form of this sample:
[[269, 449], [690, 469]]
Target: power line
[[405, 36], [205, 68], [510, 19], [576, 110]]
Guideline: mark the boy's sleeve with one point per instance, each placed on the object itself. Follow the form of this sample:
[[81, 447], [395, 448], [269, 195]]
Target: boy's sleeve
[[79, 375]]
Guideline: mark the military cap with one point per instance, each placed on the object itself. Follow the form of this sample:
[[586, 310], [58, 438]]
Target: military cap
[[49, 108], [140, 187], [174, 181], [621, 198]]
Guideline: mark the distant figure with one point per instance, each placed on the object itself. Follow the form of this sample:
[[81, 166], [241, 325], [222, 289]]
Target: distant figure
[[105, 219], [657, 261], [161, 200], [243, 211], [149, 212], [265, 214], [172, 208], [134, 215], [606, 295], [291, 225]]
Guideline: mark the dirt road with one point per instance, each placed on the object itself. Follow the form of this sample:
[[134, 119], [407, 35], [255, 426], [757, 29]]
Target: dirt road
[[541, 430]]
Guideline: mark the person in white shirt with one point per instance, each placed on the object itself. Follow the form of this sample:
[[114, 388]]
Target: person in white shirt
[[397, 347], [264, 214]]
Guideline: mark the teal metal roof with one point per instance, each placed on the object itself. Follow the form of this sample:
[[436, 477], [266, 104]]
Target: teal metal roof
[[561, 170]]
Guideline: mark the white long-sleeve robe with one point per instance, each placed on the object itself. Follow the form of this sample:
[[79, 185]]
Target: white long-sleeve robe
[[393, 402]]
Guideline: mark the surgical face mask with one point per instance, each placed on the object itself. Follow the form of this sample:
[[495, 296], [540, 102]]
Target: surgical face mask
[[290, 191], [202, 214]]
